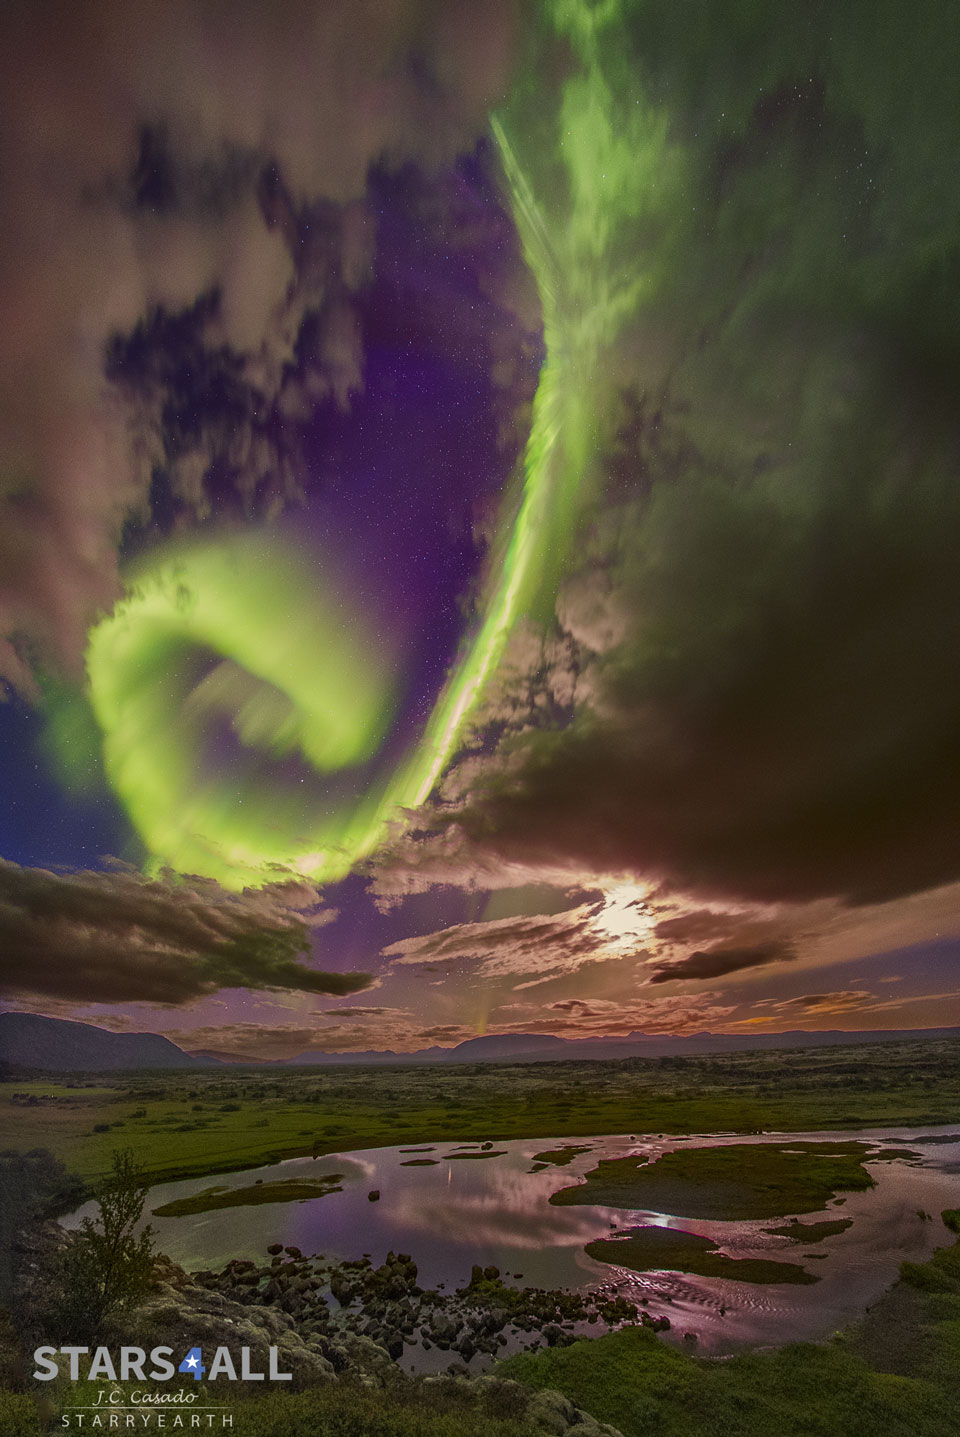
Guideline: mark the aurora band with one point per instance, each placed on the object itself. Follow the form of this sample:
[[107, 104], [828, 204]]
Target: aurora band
[[290, 678]]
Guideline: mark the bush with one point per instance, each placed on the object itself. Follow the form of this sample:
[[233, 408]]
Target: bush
[[106, 1266], [19, 1416], [32, 1185]]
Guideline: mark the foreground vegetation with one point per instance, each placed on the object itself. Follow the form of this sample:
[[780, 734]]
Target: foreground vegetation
[[343, 1409], [736, 1182], [896, 1373], [183, 1124]]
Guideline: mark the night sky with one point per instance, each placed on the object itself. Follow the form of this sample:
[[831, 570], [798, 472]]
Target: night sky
[[480, 518]]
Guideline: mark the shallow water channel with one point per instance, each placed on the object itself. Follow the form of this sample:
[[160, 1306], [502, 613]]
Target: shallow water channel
[[492, 1209]]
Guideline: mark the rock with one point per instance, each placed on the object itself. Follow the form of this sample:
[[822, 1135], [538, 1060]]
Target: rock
[[443, 1327], [551, 1412], [192, 1316], [275, 1249], [364, 1355], [393, 1342], [374, 1195]]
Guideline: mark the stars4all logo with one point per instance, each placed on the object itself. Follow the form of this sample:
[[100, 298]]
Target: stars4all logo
[[192, 1364]]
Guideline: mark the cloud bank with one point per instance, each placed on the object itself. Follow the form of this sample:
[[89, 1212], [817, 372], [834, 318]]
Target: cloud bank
[[119, 937]]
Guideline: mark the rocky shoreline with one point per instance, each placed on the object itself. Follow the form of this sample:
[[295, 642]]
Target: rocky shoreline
[[375, 1315], [335, 1298], [347, 1321]]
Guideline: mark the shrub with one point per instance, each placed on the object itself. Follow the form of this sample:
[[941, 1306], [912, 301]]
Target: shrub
[[106, 1266]]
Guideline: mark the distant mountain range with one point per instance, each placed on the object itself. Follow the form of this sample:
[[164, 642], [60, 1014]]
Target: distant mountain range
[[55, 1044], [541, 1048], [28, 1040]]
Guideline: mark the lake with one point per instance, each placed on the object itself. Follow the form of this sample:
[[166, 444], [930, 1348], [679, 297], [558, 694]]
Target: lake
[[493, 1209]]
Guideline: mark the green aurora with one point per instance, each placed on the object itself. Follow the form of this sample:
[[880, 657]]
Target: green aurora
[[740, 223], [309, 685]]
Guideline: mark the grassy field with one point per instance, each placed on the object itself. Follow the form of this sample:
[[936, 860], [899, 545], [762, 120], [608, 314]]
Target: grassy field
[[189, 1123], [643, 1249], [340, 1409], [213, 1198], [738, 1181]]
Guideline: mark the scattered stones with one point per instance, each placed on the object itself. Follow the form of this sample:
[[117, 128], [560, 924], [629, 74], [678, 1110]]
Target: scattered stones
[[331, 1318]]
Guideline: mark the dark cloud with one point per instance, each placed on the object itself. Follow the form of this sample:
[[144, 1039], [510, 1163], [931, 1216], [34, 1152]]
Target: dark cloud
[[715, 962], [361, 1012], [757, 656], [698, 925], [119, 937], [580, 1007]]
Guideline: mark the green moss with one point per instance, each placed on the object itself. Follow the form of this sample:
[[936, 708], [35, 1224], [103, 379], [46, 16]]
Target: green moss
[[738, 1181], [559, 1157], [407, 1408], [665, 1249], [19, 1415], [291, 1190], [413, 1412]]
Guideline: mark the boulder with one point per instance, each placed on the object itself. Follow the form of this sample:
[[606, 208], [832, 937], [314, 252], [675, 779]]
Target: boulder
[[551, 1412]]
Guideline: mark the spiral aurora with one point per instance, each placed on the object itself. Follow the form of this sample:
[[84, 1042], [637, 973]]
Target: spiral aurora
[[296, 673]]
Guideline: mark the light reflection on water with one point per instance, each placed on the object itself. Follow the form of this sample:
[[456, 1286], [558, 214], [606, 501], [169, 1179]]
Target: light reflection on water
[[495, 1210]]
